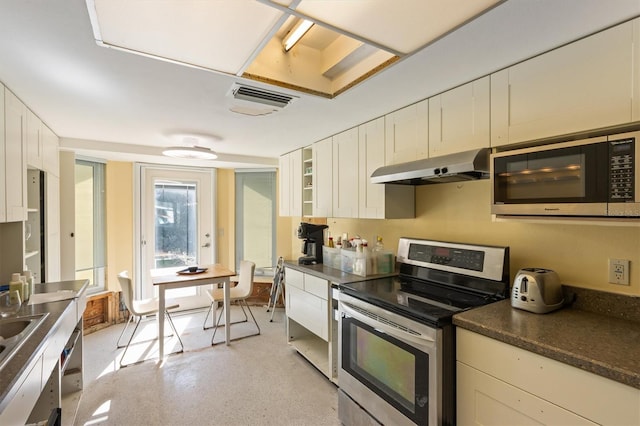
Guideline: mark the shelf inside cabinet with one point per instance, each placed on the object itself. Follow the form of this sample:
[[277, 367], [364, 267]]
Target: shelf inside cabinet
[[32, 210], [29, 254]]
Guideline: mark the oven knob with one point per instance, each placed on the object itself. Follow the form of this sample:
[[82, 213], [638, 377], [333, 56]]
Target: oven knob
[[436, 171], [523, 298], [444, 170]]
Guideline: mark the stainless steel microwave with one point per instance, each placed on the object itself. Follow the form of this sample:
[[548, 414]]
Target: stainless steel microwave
[[593, 177]]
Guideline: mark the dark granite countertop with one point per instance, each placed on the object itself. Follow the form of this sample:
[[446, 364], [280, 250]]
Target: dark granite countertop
[[332, 274], [34, 345], [599, 333]]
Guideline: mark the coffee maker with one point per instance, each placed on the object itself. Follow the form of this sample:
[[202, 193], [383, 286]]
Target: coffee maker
[[313, 236]]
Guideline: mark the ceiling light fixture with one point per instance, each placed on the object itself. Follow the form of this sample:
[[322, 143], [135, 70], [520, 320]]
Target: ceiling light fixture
[[191, 153], [296, 34]]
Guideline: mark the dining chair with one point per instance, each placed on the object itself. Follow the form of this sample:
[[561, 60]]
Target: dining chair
[[239, 293], [139, 309]]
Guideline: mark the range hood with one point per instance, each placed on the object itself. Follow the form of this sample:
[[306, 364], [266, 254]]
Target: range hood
[[461, 166]]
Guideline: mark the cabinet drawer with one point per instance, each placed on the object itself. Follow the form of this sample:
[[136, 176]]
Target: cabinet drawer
[[309, 311], [316, 286], [294, 278]]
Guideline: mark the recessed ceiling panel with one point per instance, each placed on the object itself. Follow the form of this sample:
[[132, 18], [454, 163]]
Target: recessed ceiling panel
[[219, 34], [401, 25]]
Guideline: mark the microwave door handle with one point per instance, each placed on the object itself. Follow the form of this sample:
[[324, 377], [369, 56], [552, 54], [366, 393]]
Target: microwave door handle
[[387, 329]]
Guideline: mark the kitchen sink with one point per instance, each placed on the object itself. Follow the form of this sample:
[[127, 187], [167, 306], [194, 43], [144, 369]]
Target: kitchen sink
[[14, 332]]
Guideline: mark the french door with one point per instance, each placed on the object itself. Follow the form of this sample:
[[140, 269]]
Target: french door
[[176, 226]]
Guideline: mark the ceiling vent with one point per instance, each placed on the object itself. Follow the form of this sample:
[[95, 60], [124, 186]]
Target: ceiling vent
[[251, 100]]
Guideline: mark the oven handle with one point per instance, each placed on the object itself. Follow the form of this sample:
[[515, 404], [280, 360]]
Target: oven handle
[[419, 339]]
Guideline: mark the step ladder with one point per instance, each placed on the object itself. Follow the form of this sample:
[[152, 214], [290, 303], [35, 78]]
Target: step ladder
[[277, 287]]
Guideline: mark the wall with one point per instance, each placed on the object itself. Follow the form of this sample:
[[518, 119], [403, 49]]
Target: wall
[[461, 212], [119, 199], [225, 217]]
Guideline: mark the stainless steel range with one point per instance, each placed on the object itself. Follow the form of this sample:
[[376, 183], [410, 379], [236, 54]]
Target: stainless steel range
[[397, 343]]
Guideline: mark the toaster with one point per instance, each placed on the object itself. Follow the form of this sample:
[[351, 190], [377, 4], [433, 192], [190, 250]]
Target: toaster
[[537, 290]]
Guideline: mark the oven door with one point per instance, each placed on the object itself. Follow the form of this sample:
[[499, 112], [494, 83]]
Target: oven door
[[390, 365]]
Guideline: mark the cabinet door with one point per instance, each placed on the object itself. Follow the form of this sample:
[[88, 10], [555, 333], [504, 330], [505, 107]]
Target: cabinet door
[[588, 84], [345, 174], [296, 183], [484, 400], [33, 140], [15, 160], [459, 119], [323, 178], [309, 311], [50, 156], [52, 228], [3, 182], [407, 133], [371, 156], [290, 175], [284, 179]]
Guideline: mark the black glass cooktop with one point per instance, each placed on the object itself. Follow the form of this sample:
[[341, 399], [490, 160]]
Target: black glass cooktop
[[429, 303]]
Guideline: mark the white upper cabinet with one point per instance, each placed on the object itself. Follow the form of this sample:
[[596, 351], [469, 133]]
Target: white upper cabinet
[[52, 228], [589, 84], [345, 174], [3, 181], [323, 178], [34, 140], [291, 184], [459, 119], [15, 159], [50, 155], [407, 133], [371, 156]]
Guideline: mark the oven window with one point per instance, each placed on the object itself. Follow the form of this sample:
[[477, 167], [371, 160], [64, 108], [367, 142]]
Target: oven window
[[394, 370]]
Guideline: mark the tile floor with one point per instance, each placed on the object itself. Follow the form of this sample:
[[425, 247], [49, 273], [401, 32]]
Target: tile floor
[[255, 381]]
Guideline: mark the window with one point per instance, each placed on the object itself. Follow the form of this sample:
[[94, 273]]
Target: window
[[256, 218], [90, 224]]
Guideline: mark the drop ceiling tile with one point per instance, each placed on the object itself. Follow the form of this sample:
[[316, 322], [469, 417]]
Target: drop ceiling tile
[[219, 35], [401, 25]]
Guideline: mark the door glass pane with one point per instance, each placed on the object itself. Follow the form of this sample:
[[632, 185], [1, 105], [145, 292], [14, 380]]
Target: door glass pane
[[89, 233], [175, 224]]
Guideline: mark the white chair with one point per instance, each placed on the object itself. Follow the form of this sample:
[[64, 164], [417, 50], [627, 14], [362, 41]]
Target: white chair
[[238, 293], [140, 309]]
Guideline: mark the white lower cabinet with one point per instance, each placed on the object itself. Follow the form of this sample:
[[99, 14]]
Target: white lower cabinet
[[499, 384], [311, 327], [17, 412]]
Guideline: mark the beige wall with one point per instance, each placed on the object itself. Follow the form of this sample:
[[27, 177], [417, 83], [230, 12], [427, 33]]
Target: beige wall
[[461, 212], [119, 199], [225, 217]]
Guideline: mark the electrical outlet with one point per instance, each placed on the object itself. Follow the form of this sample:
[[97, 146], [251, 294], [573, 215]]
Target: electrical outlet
[[619, 271]]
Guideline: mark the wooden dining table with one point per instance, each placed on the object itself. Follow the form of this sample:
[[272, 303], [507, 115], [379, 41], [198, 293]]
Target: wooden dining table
[[168, 278]]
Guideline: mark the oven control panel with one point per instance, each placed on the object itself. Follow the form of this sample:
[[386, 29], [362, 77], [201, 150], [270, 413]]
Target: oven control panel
[[459, 258], [489, 262]]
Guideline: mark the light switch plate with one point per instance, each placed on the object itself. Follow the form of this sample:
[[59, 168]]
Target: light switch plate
[[619, 271]]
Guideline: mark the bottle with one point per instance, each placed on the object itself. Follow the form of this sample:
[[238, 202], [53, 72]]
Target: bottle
[[330, 244], [25, 288], [379, 245], [17, 285], [30, 283]]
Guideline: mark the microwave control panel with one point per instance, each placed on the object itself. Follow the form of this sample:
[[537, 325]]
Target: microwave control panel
[[622, 163]]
